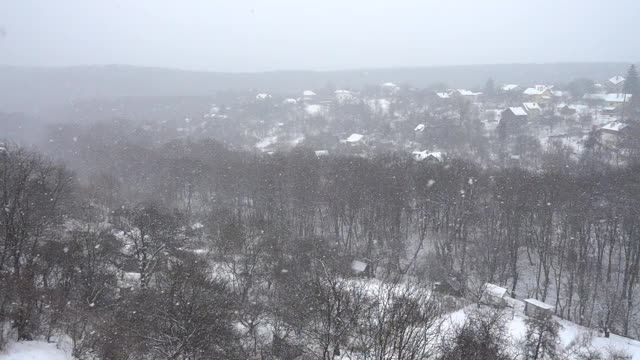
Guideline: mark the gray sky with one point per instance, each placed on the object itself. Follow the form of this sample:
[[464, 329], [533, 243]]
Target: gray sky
[[252, 35]]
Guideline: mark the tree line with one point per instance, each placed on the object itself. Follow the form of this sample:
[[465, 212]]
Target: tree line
[[191, 250]]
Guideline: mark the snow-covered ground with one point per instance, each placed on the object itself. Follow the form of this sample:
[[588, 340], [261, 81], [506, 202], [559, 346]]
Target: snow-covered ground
[[569, 332], [33, 350]]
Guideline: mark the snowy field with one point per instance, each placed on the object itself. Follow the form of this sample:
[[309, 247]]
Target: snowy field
[[33, 350]]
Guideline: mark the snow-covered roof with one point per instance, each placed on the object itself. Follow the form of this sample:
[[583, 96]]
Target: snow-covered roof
[[464, 92], [290, 101], [535, 91], [617, 97], [538, 303], [558, 93], [510, 87], [518, 111], [494, 290], [443, 95], [390, 84], [358, 266], [421, 155], [616, 80], [308, 93], [420, 127], [263, 96], [342, 92], [354, 138], [614, 126], [613, 97], [321, 153], [531, 106]]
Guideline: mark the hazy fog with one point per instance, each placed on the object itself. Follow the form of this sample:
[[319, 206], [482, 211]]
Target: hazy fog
[[252, 35]]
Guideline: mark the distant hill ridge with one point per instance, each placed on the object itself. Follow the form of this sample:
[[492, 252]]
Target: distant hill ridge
[[32, 89]]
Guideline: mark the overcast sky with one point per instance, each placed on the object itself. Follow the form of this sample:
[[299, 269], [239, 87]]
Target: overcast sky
[[257, 35]]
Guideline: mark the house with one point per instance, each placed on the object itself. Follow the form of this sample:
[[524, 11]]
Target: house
[[512, 121], [539, 94], [443, 95], [263, 96], [609, 100], [536, 308], [321, 153], [308, 95], [616, 99], [354, 138], [465, 94], [290, 101], [616, 83], [450, 286], [559, 94], [429, 157], [616, 80], [494, 295], [510, 87], [420, 128], [612, 133], [343, 96], [532, 108], [514, 114], [390, 88]]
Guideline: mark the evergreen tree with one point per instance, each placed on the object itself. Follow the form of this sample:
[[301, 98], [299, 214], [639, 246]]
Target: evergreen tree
[[489, 89], [632, 86]]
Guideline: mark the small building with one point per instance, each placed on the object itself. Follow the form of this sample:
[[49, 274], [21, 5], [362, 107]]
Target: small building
[[321, 153], [429, 157], [494, 295], [389, 88], [616, 80], [290, 101], [354, 138], [510, 87], [612, 133], [616, 83], [308, 95], [532, 107], [360, 268], [540, 94], [450, 286], [466, 94], [443, 95], [420, 128], [536, 308], [608, 100], [343, 96], [512, 121]]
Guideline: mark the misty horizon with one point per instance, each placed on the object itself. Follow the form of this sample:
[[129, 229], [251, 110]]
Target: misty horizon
[[248, 36]]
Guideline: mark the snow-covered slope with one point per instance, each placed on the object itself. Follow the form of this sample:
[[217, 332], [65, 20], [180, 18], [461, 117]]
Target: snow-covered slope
[[33, 350], [569, 332]]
